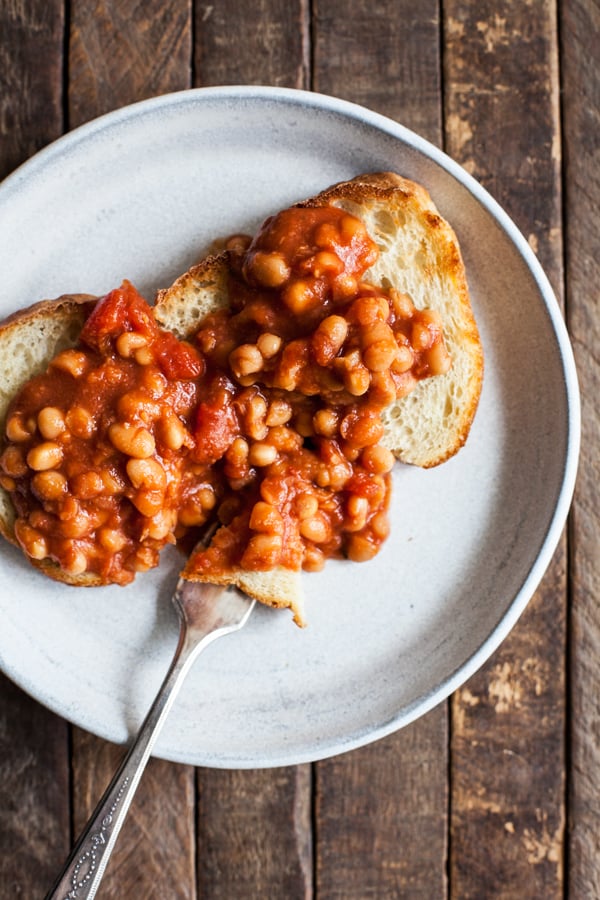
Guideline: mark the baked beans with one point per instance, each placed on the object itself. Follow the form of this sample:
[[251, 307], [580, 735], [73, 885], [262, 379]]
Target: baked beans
[[269, 419]]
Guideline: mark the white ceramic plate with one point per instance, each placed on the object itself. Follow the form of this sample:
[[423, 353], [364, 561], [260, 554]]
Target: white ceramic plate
[[139, 194]]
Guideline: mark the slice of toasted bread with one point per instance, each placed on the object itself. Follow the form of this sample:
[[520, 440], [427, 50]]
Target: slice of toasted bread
[[419, 256], [29, 339]]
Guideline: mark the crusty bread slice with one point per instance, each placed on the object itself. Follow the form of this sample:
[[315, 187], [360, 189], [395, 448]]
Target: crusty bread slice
[[29, 339], [420, 256]]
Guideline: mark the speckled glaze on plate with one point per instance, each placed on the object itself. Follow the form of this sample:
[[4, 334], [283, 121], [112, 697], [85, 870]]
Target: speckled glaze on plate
[[140, 193]]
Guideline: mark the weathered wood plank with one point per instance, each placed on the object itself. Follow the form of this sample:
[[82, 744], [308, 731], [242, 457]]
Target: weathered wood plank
[[383, 55], [154, 856], [31, 40], [501, 71], [381, 812], [580, 39], [507, 762], [34, 744], [34, 794], [265, 42], [380, 816], [254, 828], [254, 833], [122, 51], [507, 750]]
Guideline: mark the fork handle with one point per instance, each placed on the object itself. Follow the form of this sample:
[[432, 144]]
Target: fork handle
[[85, 866]]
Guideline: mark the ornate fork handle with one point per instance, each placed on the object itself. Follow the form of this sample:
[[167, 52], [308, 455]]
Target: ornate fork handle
[[87, 861]]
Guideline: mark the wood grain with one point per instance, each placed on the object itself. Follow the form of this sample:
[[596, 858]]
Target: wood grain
[[383, 55], [507, 762], [502, 112], [264, 42], [507, 751], [381, 812], [254, 833], [34, 780], [122, 51], [381, 816], [580, 37], [31, 113]]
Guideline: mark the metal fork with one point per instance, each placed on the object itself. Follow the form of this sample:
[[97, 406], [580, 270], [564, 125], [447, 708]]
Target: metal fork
[[206, 612]]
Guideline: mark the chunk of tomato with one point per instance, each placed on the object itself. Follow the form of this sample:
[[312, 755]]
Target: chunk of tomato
[[217, 423], [177, 359], [123, 309]]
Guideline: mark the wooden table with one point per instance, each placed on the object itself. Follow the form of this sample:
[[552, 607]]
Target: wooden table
[[494, 794]]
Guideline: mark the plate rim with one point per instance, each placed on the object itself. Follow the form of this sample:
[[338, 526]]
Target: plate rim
[[548, 541]]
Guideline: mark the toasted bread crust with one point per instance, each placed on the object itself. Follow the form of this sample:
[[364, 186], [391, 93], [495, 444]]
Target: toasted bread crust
[[181, 307], [75, 306], [279, 588]]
